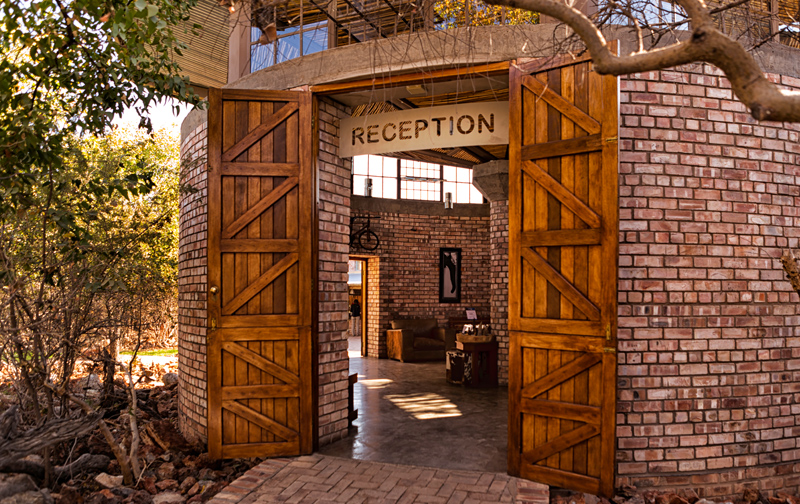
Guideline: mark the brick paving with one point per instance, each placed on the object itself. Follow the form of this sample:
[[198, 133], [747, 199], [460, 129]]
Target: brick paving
[[326, 479]]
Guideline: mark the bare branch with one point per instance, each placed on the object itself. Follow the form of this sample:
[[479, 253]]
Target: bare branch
[[766, 101]]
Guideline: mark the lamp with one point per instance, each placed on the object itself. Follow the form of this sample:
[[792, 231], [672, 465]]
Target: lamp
[[448, 201], [368, 187]]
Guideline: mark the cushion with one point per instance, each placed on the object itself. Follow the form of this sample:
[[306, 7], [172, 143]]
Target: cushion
[[428, 344], [421, 327]]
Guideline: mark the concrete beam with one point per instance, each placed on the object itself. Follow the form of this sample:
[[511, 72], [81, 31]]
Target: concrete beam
[[491, 179]]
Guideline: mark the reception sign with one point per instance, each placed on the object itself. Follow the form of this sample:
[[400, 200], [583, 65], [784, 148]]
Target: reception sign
[[465, 124]]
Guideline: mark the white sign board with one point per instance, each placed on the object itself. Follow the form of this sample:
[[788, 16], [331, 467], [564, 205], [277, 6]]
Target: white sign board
[[465, 124]]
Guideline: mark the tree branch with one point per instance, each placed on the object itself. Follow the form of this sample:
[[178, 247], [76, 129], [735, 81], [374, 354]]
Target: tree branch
[[766, 101]]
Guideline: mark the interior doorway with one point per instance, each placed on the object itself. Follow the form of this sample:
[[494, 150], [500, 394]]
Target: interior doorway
[[357, 302]]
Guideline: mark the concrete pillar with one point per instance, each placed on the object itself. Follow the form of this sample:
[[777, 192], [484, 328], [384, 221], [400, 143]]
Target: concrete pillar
[[239, 42]]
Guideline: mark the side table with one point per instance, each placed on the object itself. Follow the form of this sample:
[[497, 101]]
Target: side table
[[484, 373]]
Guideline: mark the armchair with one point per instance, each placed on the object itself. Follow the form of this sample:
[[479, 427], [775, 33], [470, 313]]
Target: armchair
[[418, 339]]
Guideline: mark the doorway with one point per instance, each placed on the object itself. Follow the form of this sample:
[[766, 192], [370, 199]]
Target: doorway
[[357, 297]]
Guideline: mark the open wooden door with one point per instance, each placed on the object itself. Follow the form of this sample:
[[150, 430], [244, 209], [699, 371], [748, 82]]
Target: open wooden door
[[260, 273], [563, 223]]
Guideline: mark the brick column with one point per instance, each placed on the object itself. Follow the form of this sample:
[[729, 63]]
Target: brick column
[[498, 227], [334, 239], [192, 281]]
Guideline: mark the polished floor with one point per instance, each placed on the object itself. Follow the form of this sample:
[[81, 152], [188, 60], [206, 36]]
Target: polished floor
[[409, 414]]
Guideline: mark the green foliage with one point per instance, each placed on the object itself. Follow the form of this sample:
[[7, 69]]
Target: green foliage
[[68, 68], [456, 13], [92, 256]]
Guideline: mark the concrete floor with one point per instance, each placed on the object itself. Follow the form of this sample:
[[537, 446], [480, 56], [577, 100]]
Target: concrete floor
[[409, 414]]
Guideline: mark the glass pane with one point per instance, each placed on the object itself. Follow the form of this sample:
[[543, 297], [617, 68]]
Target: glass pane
[[358, 184], [475, 195], [261, 56], [390, 188], [462, 193], [316, 40], [449, 172], [360, 165], [450, 187], [375, 166], [464, 174], [288, 47]]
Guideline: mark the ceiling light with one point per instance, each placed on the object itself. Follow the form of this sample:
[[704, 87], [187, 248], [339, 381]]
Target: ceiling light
[[416, 90]]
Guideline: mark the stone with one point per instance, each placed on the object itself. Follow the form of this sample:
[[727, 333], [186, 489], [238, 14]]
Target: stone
[[169, 379], [12, 484], [199, 487], [166, 471], [169, 484], [29, 497], [168, 498], [141, 497], [108, 481], [149, 484], [187, 484], [751, 495], [91, 382]]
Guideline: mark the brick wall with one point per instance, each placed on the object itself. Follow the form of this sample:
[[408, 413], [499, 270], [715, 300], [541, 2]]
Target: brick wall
[[408, 277], [334, 236], [376, 346], [192, 281], [709, 338], [498, 238]]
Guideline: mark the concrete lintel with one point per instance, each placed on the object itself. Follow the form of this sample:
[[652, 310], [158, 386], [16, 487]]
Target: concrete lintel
[[375, 205], [491, 179]]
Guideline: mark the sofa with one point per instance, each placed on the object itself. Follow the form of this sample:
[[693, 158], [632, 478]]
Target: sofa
[[411, 340]]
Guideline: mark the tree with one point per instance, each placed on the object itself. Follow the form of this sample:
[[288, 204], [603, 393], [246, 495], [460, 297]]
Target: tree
[[706, 37], [69, 67], [92, 258]]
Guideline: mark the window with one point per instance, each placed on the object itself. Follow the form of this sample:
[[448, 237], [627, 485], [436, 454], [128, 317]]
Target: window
[[292, 40], [394, 178], [383, 172], [420, 181]]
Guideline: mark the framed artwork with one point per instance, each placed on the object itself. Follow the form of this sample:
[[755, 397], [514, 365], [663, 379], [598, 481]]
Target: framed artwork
[[449, 275]]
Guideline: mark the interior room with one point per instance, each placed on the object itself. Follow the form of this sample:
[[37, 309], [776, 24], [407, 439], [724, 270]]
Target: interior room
[[421, 253]]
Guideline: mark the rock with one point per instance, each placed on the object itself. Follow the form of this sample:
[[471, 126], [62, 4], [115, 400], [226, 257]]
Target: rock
[[149, 484], [91, 382], [108, 481], [187, 484], [169, 379], [199, 488], [705, 501], [169, 484], [168, 498], [166, 471], [140, 497], [790, 499], [751, 495], [166, 435], [68, 494], [12, 484], [29, 497]]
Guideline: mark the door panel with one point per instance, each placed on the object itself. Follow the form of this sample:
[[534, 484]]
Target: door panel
[[260, 273], [563, 224]]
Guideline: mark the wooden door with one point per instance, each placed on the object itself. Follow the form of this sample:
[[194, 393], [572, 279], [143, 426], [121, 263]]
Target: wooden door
[[260, 274], [563, 223]]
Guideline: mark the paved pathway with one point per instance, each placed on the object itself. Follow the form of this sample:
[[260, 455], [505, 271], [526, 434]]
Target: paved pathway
[[325, 479]]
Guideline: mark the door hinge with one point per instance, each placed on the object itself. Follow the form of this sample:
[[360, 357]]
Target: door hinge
[[612, 139], [609, 350], [213, 324], [608, 332]]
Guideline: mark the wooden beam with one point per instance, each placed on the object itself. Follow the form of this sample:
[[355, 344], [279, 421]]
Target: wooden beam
[[411, 78]]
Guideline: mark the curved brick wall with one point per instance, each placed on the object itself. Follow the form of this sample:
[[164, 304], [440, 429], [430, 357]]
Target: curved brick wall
[[709, 339], [709, 343], [192, 280]]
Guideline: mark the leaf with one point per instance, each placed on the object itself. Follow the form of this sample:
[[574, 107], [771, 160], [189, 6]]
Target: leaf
[[140, 4]]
